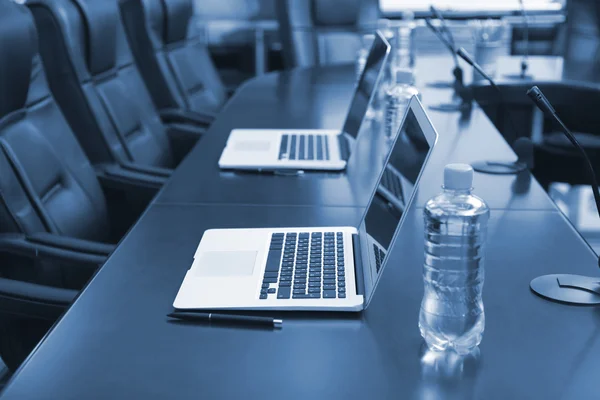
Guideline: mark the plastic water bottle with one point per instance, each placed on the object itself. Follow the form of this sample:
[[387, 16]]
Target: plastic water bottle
[[452, 315], [403, 45], [397, 97]]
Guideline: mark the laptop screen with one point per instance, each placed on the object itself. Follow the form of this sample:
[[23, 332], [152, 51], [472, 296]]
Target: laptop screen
[[398, 181], [366, 85]]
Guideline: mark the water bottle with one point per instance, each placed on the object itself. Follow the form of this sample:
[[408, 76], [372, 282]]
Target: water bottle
[[452, 315], [397, 97], [403, 45]]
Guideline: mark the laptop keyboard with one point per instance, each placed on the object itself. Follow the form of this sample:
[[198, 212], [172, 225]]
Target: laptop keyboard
[[392, 183], [305, 266], [379, 256], [304, 147]]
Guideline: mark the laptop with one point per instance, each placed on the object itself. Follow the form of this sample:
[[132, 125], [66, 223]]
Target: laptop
[[318, 268], [311, 149]]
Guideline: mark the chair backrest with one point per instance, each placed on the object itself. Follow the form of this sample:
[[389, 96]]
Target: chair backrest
[[171, 56], [582, 43], [46, 182], [91, 72], [321, 32]]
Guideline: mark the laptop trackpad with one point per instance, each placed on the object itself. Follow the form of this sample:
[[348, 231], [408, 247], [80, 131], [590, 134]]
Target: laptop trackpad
[[226, 263], [252, 145]]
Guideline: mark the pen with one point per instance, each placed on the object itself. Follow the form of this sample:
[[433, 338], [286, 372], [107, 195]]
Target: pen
[[227, 318]]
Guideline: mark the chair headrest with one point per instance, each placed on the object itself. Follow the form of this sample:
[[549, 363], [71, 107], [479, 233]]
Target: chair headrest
[[18, 44], [101, 19], [177, 16]]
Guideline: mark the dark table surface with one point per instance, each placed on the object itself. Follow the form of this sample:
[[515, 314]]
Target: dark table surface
[[116, 343], [319, 98]]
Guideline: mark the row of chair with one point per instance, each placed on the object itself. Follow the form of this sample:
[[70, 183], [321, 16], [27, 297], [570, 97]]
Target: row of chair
[[99, 101]]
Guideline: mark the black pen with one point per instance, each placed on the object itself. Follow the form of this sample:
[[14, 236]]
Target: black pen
[[226, 318]]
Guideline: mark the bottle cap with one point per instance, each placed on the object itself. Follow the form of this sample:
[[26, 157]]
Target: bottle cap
[[458, 177]]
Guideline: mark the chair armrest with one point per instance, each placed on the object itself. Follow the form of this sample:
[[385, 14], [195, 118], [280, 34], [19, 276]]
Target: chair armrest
[[183, 138], [21, 245], [177, 115], [70, 243], [147, 169], [127, 179], [33, 300]]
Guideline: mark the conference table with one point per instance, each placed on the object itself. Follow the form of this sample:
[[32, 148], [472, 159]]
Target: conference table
[[115, 341]]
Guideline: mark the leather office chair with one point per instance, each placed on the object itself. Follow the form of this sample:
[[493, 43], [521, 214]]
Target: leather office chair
[[174, 63], [321, 32], [93, 76], [55, 228]]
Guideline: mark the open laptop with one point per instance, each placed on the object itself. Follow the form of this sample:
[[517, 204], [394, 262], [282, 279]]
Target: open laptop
[[311, 149], [319, 268]]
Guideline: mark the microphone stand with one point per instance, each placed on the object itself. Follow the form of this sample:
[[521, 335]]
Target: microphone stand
[[498, 167], [524, 62], [567, 288], [445, 36]]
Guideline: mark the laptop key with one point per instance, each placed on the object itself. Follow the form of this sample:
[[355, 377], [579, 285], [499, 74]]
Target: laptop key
[[307, 296], [284, 292], [270, 280], [314, 290], [311, 147], [273, 260], [329, 294], [283, 147], [284, 284], [301, 147], [319, 147], [342, 295], [326, 146], [263, 296], [271, 274], [292, 155], [271, 290]]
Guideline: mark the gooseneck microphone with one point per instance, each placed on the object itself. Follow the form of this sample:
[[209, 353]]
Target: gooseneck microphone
[[498, 167], [536, 95], [445, 36], [524, 60], [457, 71], [567, 288]]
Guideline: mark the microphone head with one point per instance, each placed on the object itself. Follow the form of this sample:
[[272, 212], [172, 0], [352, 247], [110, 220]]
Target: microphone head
[[536, 95]]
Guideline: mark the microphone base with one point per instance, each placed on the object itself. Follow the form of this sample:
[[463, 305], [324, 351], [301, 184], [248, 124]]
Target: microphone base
[[526, 77], [498, 167], [567, 289]]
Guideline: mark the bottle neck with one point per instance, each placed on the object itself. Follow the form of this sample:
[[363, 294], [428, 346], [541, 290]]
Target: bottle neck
[[457, 192]]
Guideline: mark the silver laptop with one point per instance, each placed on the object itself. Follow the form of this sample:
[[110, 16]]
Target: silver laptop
[[312, 149], [319, 268]]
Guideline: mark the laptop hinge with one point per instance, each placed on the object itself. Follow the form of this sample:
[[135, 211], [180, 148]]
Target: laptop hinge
[[344, 146], [358, 266]]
